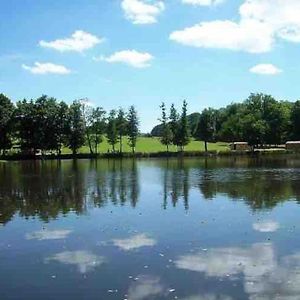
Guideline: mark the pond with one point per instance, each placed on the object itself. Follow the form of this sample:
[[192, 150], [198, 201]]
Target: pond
[[192, 229]]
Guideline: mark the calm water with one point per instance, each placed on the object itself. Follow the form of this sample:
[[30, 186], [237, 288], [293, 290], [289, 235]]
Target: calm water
[[150, 229]]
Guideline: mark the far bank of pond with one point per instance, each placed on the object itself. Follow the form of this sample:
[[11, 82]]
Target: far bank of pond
[[257, 152]]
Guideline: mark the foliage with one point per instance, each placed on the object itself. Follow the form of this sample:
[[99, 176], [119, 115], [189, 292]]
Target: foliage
[[112, 132], [75, 127], [122, 127], [206, 129], [183, 131], [133, 127], [167, 135], [6, 122]]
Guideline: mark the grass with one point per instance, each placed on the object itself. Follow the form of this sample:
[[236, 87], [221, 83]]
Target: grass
[[153, 145]]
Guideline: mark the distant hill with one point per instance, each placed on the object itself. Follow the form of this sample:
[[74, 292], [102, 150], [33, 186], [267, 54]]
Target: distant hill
[[193, 121]]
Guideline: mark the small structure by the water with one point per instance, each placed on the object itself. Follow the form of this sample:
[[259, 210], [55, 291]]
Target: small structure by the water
[[240, 146], [293, 146]]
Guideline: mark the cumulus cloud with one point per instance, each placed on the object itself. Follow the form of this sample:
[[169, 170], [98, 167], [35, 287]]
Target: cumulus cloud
[[134, 242], [254, 261], [79, 42], [264, 276], [85, 261], [48, 235], [141, 11], [249, 36], [265, 69], [132, 58], [46, 68], [146, 287], [266, 226], [203, 2], [261, 24]]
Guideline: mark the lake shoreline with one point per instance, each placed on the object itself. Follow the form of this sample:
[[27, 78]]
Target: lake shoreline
[[258, 152]]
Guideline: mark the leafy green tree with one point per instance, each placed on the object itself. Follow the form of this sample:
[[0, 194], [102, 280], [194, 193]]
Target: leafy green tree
[[94, 124], [167, 136], [46, 117], [76, 133], [174, 126], [295, 121], [111, 131], [26, 126], [183, 133], [61, 125], [122, 126], [87, 111], [206, 127], [133, 127], [6, 123], [98, 126]]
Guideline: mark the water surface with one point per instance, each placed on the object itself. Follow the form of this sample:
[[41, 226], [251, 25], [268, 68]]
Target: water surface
[[204, 229]]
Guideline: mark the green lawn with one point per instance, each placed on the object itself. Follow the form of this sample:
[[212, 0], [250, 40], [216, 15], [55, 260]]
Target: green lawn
[[148, 144]]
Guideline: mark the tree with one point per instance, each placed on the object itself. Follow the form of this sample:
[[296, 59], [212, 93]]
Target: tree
[[62, 125], [87, 117], [97, 126], [75, 138], [183, 133], [26, 125], [94, 124], [122, 126], [167, 135], [174, 118], [295, 121], [6, 123], [206, 127], [133, 127], [111, 131]]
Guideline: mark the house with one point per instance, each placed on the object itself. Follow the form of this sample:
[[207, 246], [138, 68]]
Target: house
[[293, 146], [240, 146]]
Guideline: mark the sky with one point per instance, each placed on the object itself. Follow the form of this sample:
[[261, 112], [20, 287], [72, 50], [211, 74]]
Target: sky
[[122, 52]]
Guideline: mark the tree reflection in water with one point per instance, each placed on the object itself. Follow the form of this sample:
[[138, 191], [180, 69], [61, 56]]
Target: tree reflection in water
[[47, 189], [52, 188]]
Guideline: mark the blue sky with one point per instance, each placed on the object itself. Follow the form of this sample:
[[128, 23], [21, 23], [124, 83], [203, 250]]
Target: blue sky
[[142, 52]]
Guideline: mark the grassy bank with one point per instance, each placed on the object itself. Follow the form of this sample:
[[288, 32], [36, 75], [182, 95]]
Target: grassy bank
[[153, 145]]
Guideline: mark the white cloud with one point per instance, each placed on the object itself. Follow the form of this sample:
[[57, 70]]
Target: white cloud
[[146, 287], [203, 2], [48, 235], [264, 276], [141, 11], [251, 36], [79, 41], [261, 24], [46, 68], [220, 262], [83, 260], [132, 58], [134, 242], [267, 226]]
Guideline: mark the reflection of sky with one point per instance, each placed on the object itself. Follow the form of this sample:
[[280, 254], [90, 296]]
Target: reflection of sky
[[145, 287], [48, 235], [266, 226], [134, 242], [264, 277], [207, 297], [85, 261]]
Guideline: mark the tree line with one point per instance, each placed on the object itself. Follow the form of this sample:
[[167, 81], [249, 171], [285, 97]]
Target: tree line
[[47, 124], [259, 120]]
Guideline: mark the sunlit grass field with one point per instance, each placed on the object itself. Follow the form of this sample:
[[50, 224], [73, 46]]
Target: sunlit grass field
[[152, 145]]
